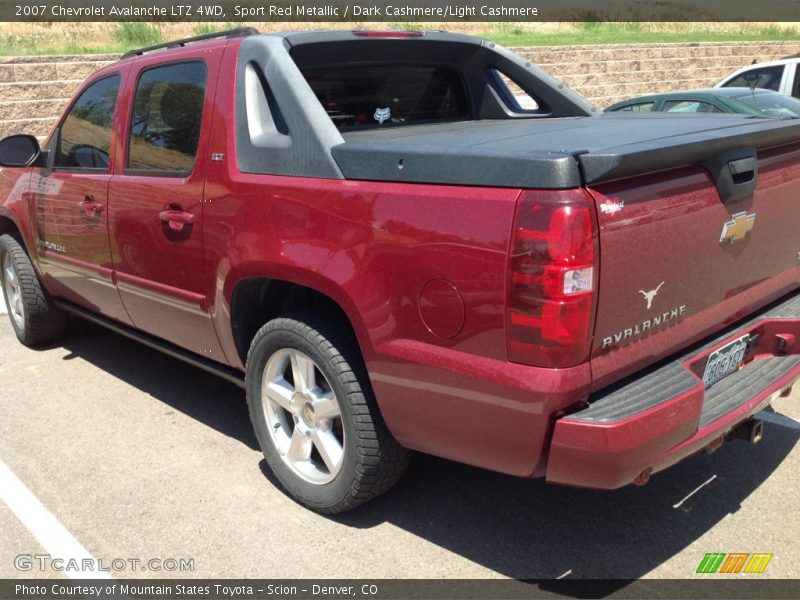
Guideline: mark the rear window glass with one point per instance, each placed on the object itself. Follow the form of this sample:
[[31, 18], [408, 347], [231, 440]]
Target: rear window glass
[[389, 95], [768, 78], [774, 105]]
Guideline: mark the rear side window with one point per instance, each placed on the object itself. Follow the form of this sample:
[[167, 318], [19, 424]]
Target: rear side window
[[768, 78], [796, 86], [640, 107], [389, 95], [689, 106], [85, 136], [167, 114]]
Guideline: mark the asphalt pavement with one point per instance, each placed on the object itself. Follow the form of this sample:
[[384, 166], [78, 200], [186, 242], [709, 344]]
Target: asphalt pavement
[[138, 456]]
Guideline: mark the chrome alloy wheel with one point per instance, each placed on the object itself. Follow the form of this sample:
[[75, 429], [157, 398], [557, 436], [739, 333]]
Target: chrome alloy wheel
[[13, 291], [304, 418]]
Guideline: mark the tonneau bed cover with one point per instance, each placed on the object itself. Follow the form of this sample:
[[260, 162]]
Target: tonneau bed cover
[[551, 153]]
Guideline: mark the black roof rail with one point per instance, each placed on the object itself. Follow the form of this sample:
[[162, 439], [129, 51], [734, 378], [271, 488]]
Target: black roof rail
[[791, 56], [230, 33]]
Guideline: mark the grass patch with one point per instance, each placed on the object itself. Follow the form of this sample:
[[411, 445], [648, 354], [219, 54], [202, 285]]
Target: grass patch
[[207, 28], [596, 32], [138, 34], [593, 27]]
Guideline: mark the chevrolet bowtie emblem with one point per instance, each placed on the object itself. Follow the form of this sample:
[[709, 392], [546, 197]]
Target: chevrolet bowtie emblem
[[738, 227]]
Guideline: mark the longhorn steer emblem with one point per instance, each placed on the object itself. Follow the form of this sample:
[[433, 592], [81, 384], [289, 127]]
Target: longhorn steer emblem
[[650, 296]]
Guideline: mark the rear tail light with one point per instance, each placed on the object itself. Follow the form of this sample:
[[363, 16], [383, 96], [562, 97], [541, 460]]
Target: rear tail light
[[552, 279]]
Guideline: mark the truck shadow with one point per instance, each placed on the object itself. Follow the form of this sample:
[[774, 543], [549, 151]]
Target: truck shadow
[[200, 395], [519, 528], [527, 529]]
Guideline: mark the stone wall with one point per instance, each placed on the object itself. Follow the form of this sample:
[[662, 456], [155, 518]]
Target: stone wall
[[35, 89]]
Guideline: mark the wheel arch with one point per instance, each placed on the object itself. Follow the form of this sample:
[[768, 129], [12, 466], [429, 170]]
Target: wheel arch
[[9, 226], [257, 299]]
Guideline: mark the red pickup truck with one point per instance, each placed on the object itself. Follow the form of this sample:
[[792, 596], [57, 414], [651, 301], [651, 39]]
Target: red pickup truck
[[417, 241]]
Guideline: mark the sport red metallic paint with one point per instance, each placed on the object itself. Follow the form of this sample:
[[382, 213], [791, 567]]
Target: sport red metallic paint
[[167, 255]]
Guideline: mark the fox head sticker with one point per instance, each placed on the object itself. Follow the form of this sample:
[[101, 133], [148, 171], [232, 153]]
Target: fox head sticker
[[382, 114]]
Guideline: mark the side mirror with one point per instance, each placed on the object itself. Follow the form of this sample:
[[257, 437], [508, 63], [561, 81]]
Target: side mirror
[[19, 151]]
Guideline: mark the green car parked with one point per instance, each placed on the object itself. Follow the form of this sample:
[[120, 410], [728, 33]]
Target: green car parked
[[756, 102]]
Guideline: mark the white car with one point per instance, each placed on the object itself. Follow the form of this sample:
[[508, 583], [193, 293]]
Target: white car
[[778, 75]]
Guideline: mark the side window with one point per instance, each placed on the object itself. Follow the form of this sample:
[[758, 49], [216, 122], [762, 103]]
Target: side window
[[85, 135], [768, 78], [796, 86], [641, 107], [167, 114], [689, 106]]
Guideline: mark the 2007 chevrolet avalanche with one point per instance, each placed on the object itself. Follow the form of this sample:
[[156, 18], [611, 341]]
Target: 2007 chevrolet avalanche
[[390, 251]]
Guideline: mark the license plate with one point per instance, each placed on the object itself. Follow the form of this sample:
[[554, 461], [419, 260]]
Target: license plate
[[725, 361]]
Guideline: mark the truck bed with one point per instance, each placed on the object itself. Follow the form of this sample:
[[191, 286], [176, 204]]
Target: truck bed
[[550, 153]]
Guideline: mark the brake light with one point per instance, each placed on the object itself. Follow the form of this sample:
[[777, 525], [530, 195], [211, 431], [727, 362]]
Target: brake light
[[552, 279], [387, 34]]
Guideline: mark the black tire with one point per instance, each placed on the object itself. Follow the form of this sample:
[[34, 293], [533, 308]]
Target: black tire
[[40, 321], [372, 460]]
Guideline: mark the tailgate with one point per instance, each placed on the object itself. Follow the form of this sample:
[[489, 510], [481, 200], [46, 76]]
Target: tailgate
[[684, 253]]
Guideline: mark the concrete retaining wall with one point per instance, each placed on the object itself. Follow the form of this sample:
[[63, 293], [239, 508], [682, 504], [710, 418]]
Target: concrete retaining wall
[[35, 89]]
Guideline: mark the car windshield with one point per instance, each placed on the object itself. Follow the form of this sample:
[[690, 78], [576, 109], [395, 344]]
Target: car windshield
[[773, 105]]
